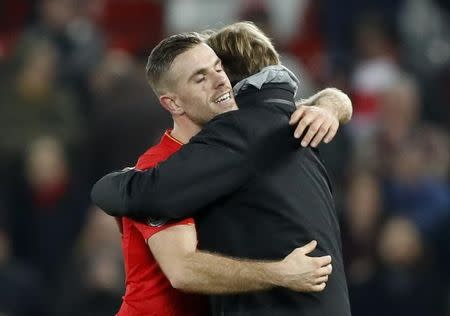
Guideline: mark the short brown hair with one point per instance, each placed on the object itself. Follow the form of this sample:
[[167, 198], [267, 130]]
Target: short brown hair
[[244, 49], [163, 55]]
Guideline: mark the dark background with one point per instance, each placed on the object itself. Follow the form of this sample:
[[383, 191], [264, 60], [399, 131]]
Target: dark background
[[74, 105]]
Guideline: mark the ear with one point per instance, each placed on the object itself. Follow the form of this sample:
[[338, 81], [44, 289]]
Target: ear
[[169, 103]]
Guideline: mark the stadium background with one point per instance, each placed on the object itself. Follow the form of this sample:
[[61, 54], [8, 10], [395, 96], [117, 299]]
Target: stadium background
[[74, 104]]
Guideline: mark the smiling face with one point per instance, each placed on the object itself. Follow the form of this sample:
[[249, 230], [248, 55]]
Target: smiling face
[[199, 86]]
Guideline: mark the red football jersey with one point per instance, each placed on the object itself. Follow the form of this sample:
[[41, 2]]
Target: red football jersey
[[148, 291]]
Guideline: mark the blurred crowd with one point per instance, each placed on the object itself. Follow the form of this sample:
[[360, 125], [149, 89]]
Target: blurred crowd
[[74, 105]]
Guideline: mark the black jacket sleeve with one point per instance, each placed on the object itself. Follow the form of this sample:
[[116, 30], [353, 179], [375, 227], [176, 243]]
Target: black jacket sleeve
[[213, 164]]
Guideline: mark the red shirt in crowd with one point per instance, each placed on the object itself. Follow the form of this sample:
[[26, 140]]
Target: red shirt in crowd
[[148, 291]]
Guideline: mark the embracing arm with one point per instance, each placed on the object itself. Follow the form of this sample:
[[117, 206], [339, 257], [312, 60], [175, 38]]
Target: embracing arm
[[320, 115], [192, 270], [333, 100], [196, 175], [211, 165], [214, 164]]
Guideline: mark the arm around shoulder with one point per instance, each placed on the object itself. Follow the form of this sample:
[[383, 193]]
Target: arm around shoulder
[[333, 100], [213, 164]]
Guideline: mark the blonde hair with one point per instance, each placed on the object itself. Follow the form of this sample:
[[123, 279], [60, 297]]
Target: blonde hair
[[244, 49]]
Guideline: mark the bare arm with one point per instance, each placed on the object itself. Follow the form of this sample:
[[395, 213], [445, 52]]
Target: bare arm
[[321, 115], [333, 100], [191, 270]]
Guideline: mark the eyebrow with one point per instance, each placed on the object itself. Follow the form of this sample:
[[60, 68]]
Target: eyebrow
[[203, 70]]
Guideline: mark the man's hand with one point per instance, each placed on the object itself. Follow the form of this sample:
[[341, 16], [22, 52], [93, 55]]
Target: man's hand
[[321, 123], [303, 273], [321, 114]]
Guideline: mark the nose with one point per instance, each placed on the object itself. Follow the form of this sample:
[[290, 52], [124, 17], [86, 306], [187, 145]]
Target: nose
[[220, 79]]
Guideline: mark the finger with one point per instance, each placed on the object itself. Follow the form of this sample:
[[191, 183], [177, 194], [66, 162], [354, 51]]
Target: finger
[[309, 247], [318, 287], [323, 130], [295, 117], [322, 279], [324, 270], [323, 261], [312, 131], [302, 125], [331, 133]]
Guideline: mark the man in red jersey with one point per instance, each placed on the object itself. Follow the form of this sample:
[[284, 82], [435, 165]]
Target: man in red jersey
[[172, 245]]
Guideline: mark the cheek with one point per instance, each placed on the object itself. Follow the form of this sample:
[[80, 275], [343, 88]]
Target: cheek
[[194, 94], [196, 101]]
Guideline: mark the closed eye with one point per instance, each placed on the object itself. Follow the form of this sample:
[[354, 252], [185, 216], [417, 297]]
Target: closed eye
[[219, 67], [200, 79]]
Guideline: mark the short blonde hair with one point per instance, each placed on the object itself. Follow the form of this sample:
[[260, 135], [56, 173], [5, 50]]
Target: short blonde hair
[[244, 49]]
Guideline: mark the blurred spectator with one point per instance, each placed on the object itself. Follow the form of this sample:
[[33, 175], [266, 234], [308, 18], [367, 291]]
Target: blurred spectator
[[426, 51], [126, 116], [95, 279], [397, 118], [339, 20], [412, 157], [406, 282], [413, 192], [425, 35], [308, 44], [77, 42], [47, 204], [43, 196], [20, 285], [399, 112], [361, 223], [133, 26], [196, 15], [375, 71], [36, 105], [14, 16]]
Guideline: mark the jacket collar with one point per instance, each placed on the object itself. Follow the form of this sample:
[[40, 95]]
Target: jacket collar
[[270, 74]]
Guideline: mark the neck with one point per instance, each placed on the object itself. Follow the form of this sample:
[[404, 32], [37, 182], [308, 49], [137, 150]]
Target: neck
[[184, 129]]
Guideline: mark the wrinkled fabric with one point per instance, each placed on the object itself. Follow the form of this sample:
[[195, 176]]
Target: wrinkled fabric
[[269, 74]]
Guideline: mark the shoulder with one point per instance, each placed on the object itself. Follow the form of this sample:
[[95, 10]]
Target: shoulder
[[226, 129], [152, 157], [234, 121]]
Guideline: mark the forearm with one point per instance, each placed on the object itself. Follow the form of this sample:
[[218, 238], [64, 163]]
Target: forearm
[[174, 189], [333, 100], [189, 269], [208, 273], [216, 159]]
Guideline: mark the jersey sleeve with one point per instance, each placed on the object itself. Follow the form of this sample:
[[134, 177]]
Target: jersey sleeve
[[151, 227]]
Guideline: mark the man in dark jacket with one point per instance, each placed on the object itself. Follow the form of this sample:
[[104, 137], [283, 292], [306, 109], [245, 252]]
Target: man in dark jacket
[[254, 192]]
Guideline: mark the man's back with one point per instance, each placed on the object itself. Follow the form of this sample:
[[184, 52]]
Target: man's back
[[286, 202]]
